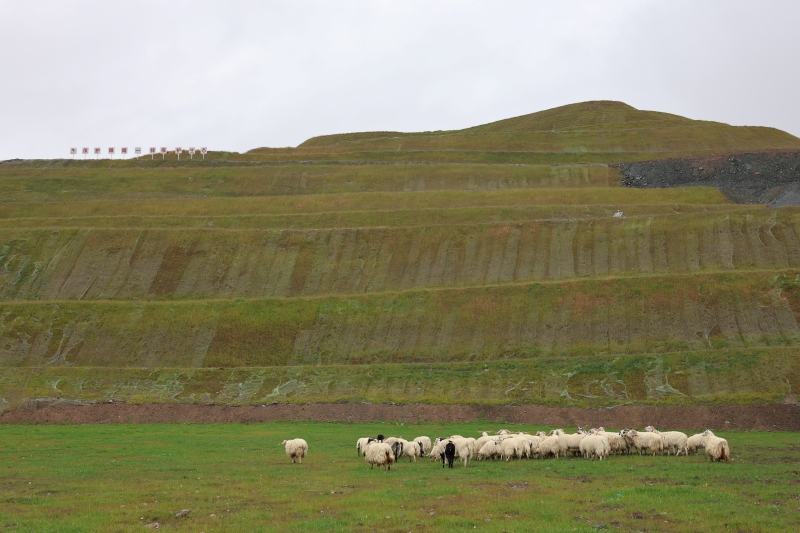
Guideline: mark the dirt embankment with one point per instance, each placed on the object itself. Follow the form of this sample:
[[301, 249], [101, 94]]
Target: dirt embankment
[[759, 417], [771, 178]]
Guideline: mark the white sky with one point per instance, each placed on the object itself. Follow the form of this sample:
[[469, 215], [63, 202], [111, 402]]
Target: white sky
[[236, 75]]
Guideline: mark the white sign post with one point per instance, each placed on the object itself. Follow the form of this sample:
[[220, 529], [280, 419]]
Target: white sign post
[[152, 152], [111, 152], [73, 151], [163, 152], [191, 152], [203, 151], [97, 153], [178, 151], [84, 151], [137, 151], [124, 151]]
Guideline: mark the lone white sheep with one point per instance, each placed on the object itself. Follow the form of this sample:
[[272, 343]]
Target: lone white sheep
[[296, 449], [716, 447]]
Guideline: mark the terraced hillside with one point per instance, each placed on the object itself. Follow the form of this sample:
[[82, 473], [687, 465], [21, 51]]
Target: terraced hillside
[[395, 267]]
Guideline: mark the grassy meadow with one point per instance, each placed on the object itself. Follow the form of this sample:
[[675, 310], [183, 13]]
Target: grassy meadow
[[236, 478]]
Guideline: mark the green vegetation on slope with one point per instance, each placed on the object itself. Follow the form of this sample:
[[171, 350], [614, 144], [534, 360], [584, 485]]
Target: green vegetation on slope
[[310, 271]]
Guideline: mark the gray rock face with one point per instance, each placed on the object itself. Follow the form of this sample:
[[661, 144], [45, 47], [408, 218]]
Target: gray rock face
[[771, 178]]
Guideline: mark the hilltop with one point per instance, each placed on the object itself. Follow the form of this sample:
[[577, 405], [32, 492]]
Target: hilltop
[[506, 263]]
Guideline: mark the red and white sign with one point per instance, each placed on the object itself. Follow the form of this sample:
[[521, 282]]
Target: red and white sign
[[203, 150], [163, 149], [97, 151], [73, 151], [111, 151], [138, 150], [152, 149], [124, 150], [84, 151], [191, 150], [178, 150]]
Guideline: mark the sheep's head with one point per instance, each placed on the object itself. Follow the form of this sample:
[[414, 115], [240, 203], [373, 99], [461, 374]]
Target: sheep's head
[[502, 432], [651, 429], [601, 429], [708, 433], [631, 433], [484, 434], [557, 432], [580, 431], [541, 434]]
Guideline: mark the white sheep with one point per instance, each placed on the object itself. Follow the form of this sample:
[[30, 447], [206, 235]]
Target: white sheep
[[412, 450], [595, 445], [481, 441], [674, 441], [425, 443], [572, 442], [379, 453], [490, 450], [694, 442], [617, 442], [296, 449], [643, 440], [551, 446], [716, 447], [509, 447], [361, 444]]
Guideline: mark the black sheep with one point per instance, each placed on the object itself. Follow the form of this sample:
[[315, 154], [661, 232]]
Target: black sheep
[[449, 454]]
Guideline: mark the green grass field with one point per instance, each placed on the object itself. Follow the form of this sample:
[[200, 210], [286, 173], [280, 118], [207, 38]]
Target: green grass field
[[236, 478]]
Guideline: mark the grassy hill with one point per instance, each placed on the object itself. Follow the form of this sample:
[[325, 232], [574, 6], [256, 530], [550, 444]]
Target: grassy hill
[[482, 265]]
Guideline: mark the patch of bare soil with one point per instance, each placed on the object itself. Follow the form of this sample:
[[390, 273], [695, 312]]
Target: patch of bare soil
[[759, 417]]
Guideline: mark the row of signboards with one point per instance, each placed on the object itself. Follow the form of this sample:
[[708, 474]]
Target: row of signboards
[[138, 151]]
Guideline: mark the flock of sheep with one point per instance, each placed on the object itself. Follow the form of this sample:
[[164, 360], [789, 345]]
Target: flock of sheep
[[595, 443]]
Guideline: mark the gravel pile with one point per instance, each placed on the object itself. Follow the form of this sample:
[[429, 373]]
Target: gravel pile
[[771, 178]]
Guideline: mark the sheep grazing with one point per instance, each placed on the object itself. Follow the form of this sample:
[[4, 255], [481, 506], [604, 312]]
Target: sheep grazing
[[673, 441], [572, 442], [643, 441], [694, 442], [509, 448], [449, 454], [424, 445], [595, 445], [379, 453], [465, 448], [412, 450], [396, 443], [490, 449], [296, 449], [482, 441], [716, 447], [361, 444], [551, 446], [617, 442]]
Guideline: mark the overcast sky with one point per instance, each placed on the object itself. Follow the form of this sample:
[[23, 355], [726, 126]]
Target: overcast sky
[[236, 75]]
